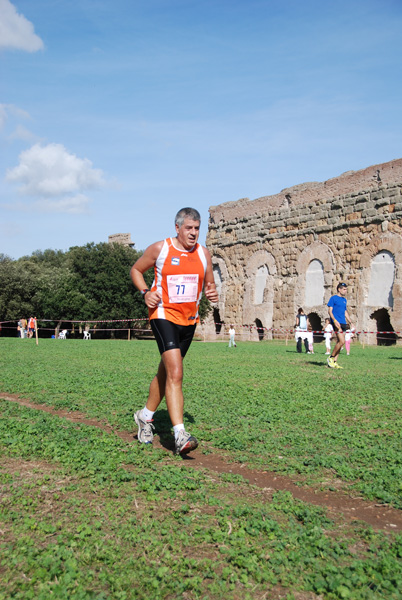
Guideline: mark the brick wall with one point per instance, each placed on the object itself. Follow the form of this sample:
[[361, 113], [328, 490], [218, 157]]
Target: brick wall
[[343, 222]]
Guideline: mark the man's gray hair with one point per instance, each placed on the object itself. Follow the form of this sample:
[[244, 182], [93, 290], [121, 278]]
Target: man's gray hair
[[187, 213]]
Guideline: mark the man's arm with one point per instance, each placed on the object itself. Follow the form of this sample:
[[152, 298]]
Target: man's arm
[[209, 282], [331, 316], [348, 319], [143, 264]]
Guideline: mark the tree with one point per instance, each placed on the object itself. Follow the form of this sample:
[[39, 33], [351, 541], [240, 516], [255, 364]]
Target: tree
[[86, 283]]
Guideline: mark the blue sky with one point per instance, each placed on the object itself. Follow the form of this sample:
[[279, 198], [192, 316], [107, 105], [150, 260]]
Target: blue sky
[[114, 115]]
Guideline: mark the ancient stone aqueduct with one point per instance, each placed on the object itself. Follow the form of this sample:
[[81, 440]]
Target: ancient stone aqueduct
[[277, 253]]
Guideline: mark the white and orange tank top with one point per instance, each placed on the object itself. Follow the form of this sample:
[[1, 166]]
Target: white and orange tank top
[[179, 278]]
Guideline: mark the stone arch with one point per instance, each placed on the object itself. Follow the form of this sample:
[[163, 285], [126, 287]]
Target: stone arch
[[382, 280], [389, 245], [316, 325], [318, 254], [217, 321], [222, 280], [258, 303], [260, 330], [260, 283], [314, 291], [385, 332]]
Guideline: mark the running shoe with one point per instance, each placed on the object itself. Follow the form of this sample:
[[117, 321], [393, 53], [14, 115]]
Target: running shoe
[[185, 442], [331, 363], [145, 434], [336, 366]]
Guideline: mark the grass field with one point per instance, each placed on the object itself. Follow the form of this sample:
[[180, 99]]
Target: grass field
[[87, 515]]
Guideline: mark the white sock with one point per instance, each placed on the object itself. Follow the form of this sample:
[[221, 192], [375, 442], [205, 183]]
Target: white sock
[[147, 414], [177, 429]]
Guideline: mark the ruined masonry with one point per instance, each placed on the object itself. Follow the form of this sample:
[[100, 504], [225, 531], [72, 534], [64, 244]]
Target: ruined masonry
[[277, 253]]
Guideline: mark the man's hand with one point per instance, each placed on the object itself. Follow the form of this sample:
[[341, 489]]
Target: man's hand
[[211, 293], [152, 299]]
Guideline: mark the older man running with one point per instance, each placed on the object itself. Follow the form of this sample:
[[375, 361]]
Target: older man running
[[182, 269]]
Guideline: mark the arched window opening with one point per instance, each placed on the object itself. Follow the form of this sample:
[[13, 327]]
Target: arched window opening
[[314, 294], [218, 278], [316, 325], [217, 321], [260, 329], [385, 332], [260, 283], [382, 280]]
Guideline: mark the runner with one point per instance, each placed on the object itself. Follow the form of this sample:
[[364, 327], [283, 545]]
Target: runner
[[182, 267], [31, 326], [339, 320]]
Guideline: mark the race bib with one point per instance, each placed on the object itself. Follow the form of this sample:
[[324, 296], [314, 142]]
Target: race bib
[[182, 288]]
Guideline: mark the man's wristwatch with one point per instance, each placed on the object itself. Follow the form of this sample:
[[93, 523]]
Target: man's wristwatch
[[144, 291]]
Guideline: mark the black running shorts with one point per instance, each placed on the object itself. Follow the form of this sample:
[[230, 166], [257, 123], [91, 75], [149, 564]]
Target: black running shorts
[[344, 326], [169, 336]]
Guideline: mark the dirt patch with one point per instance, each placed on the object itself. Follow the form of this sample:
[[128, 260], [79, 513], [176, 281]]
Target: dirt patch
[[379, 516]]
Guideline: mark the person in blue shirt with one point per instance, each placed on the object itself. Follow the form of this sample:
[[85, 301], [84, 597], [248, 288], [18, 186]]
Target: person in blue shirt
[[340, 321]]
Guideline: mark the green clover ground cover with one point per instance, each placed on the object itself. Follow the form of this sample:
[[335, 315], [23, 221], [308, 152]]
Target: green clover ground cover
[[94, 518], [98, 518], [262, 403]]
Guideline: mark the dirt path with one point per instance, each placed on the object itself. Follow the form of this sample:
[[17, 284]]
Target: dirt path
[[379, 516]]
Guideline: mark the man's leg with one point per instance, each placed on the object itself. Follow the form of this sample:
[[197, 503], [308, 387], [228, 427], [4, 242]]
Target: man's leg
[[144, 417], [157, 388], [173, 363], [168, 382], [299, 344], [340, 336]]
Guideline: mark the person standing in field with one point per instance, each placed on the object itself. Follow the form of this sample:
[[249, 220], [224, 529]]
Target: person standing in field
[[31, 327], [328, 331], [21, 328], [232, 334], [349, 333], [302, 325], [340, 321], [182, 269]]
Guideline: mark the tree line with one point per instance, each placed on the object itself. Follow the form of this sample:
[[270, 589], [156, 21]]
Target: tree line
[[84, 283]]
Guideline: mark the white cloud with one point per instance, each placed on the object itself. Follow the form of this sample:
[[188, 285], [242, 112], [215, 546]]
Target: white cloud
[[51, 171], [16, 31], [56, 177]]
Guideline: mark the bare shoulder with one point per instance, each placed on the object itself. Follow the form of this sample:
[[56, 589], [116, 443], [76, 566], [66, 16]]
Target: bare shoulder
[[149, 257], [154, 249]]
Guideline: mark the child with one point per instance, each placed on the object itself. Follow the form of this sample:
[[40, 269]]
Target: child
[[232, 337], [328, 335], [310, 340], [348, 338]]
